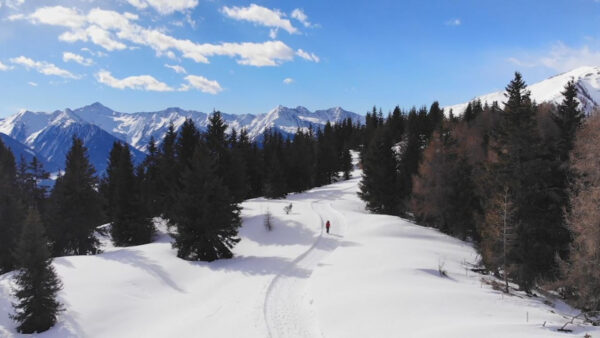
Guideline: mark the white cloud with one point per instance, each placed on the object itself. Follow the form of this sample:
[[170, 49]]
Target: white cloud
[[453, 22], [202, 84], [177, 68], [4, 67], [58, 16], [68, 56], [109, 28], [43, 67], [288, 80], [261, 16], [299, 15], [33, 84], [165, 6], [140, 82], [561, 57], [308, 56], [14, 4]]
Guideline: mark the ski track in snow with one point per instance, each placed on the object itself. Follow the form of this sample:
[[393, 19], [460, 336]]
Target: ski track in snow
[[288, 308]]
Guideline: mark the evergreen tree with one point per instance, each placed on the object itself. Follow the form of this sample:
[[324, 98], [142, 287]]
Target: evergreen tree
[[168, 173], [327, 160], [30, 176], [149, 176], [231, 167], [36, 280], [568, 118], [130, 223], [379, 179], [527, 171], [11, 209], [75, 208], [346, 163], [207, 219]]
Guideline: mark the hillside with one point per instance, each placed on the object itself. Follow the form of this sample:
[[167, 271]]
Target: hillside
[[587, 80], [373, 276]]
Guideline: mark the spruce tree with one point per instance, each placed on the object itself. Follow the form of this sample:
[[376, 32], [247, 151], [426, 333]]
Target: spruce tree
[[207, 219], [37, 283], [569, 118], [168, 173], [75, 207], [526, 169], [130, 222], [11, 209], [231, 166], [378, 187]]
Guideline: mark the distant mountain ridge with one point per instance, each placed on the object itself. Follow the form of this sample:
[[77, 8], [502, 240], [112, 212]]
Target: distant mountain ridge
[[587, 80], [50, 134]]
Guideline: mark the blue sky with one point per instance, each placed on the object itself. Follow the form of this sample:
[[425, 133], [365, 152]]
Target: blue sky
[[250, 56]]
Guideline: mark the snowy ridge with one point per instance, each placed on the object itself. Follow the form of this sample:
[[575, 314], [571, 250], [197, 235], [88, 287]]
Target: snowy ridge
[[587, 80], [49, 134]]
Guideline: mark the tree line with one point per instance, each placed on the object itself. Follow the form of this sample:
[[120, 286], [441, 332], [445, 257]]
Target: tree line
[[193, 179], [520, 181]]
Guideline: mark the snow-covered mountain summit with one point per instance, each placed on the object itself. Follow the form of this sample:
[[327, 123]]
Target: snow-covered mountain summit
[[549, 90]]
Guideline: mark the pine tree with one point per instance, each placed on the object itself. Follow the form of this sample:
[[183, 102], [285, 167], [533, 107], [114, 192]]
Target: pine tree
[[568, 118], [231, 166], [75, 207], [37, 283], [346, 163], [526, 168], [378, 187], [207, 219], [168, 173], [11, 209], [130, 223]]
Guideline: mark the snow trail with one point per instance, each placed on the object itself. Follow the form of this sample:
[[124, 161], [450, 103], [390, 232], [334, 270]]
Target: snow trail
[[288, 308]]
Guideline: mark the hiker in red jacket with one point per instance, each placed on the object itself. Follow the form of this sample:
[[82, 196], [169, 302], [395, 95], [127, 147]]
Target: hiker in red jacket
[[327, 225]]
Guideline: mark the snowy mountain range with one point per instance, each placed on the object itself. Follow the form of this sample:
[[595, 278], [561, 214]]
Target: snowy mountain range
[[586, 78], [49, 135]]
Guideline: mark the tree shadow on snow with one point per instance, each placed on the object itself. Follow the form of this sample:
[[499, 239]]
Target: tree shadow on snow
[[253, 265], [285, 231], [136, 259]]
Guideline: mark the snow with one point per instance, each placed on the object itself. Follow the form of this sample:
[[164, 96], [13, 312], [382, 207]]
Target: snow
[[372, 276], [587, 79]]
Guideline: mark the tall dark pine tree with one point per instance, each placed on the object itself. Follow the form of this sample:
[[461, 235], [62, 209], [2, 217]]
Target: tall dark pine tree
[[569, 118], [11, 209], [130, 223], [75, 208], [37, 283], [378, 187], [207, 218], [527, 171], [149, 177], [30, 177], [231, 167], [168, 173]]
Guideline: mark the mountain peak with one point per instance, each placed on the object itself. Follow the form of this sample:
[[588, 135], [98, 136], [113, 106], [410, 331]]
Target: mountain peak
[[587, 79]]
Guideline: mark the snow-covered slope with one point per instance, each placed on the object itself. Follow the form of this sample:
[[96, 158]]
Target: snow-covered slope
[[372, 276], [20, 150], [549, 90]]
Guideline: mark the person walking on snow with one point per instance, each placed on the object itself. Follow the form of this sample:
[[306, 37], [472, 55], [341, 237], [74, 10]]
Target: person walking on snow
[[327, 225]]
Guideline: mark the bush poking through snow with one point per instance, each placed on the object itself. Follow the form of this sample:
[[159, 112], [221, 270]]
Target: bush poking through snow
[[268, 220], [441, 270], [287, 209]]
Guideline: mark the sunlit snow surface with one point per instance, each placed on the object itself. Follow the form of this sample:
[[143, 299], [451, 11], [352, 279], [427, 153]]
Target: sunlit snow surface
[[372, 276], [550, 90]]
